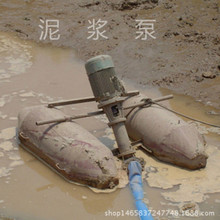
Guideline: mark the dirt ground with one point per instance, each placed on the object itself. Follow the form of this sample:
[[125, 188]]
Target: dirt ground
[[185, 56]]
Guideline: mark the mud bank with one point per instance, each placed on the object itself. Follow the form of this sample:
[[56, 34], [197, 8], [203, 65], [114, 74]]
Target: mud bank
[[184, 56]]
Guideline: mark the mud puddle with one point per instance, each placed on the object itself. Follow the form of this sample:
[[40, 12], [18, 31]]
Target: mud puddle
[[33, 75], [170, 187], [180, 188], [195, 109], [29, 190]]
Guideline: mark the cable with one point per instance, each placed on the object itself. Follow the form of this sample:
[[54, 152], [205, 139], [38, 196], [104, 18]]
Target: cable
[[185, 116]]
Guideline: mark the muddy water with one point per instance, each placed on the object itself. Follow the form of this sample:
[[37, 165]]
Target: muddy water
[[195, 109], [31, 74]]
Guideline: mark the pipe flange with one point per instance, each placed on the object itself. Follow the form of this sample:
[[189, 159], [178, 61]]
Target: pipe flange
[[111, 101], [127, 154], [127, 161], [116, 121]]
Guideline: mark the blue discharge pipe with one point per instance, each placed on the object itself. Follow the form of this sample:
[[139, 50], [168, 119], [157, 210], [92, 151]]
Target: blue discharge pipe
[[135, 183]]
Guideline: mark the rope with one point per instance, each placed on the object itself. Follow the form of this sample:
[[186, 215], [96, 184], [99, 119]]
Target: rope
[[149, 101]]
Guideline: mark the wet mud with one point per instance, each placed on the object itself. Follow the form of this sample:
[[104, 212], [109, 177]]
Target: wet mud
[[30, 190], [184, 56]]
